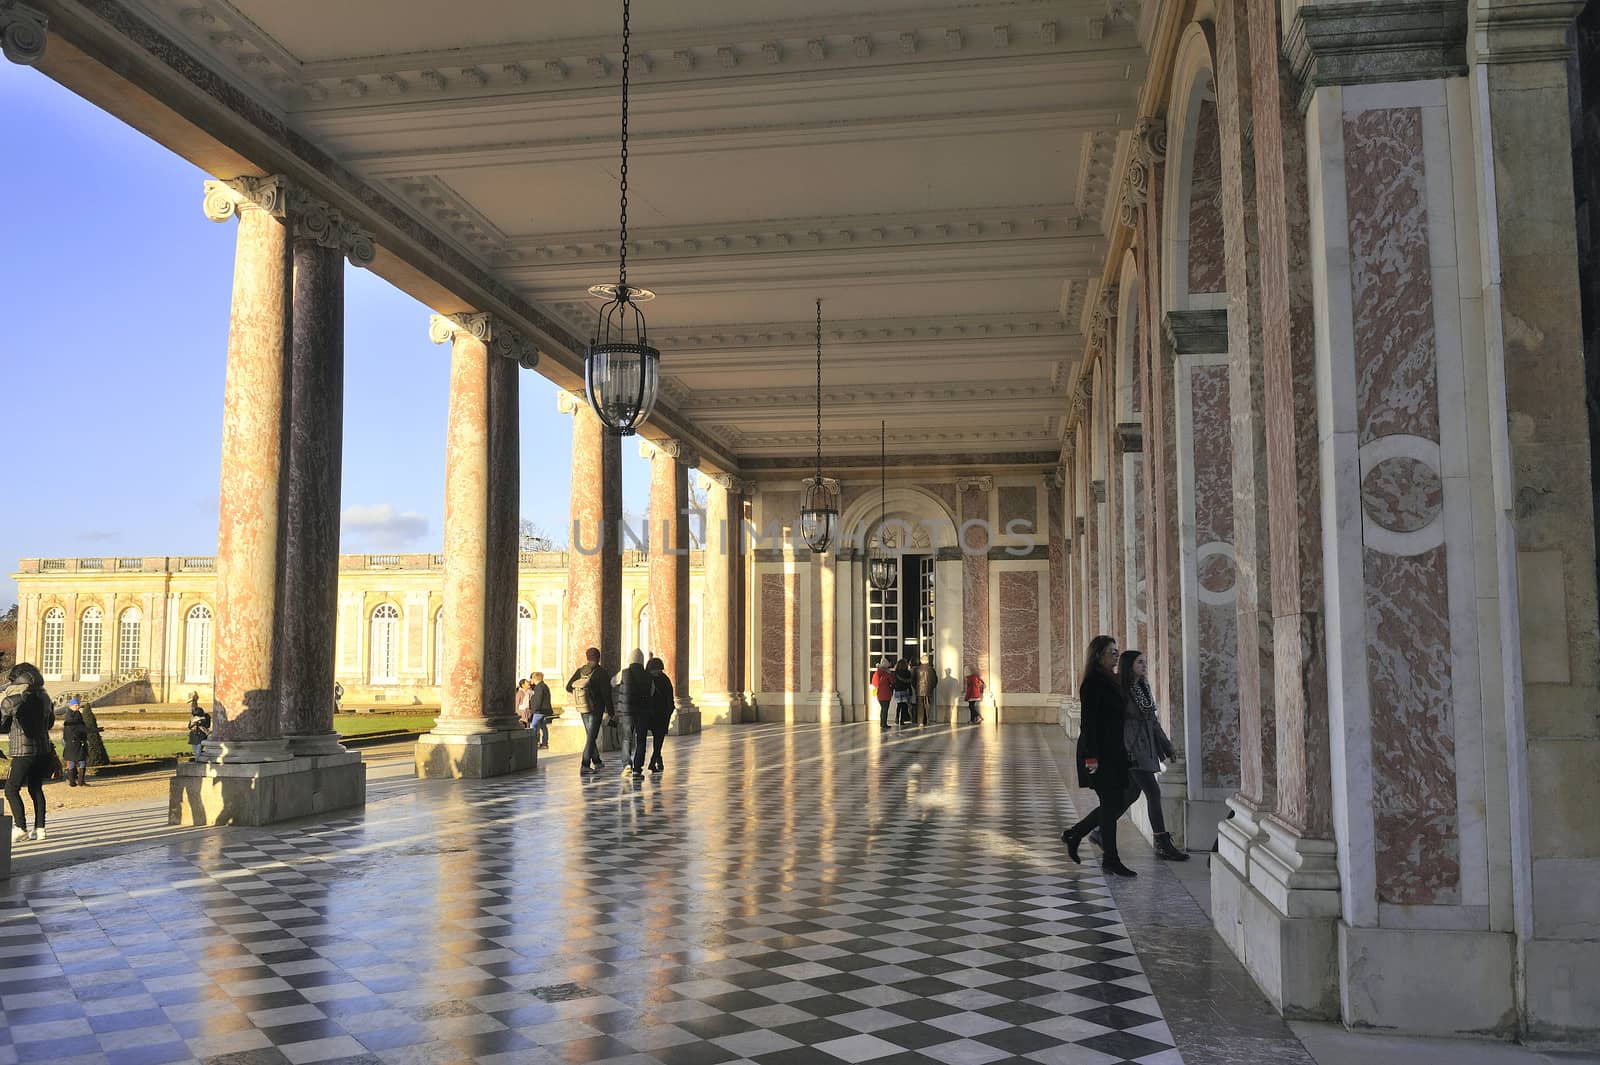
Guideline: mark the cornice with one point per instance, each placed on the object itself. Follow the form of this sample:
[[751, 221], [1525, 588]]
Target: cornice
[[800, 441], [981, 31], [1359, 42], [1522, 31], [863, 331], [1203, 332], [1055, 221], [744, 400], [23, 32]]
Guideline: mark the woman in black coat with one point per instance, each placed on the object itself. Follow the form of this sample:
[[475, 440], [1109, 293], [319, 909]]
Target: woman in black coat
[[1102, 758], [662, 703], [75, 744]]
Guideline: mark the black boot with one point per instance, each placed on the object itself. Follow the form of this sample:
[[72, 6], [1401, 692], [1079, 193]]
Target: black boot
[[1116, 868], [1167, 852]]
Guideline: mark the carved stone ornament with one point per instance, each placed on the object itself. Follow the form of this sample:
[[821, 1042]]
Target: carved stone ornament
[[567, 403], [225, 199], [982, 483], [22, 32], [1111, 300], [314, 220], [732, 484], [1055, 477], [1150, 141], [1130, 437], [502, 341]]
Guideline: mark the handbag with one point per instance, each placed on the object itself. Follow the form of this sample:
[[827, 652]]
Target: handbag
[[53, 769]]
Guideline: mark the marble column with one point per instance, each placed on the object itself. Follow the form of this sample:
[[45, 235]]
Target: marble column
[[477, 733], [722, 700], [251, 503], [1548, 654], [594, 560], [272, 754], [668, 547], [974, 494], [313, 473]]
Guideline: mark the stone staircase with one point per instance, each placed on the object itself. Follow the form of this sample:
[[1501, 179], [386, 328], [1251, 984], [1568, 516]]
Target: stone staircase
[[99, 692]]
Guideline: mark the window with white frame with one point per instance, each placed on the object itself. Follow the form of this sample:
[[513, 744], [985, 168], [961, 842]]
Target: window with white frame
[[524, 640], [91, 633], [438, 646], [384, 665], [128, 626], [197, 645], [51, 642], [642, 636]]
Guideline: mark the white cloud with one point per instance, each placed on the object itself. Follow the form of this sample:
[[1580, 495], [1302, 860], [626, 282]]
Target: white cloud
[[379, 526]]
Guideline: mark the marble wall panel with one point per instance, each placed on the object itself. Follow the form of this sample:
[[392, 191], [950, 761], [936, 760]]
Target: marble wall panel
[[1207, 263], [1019, 631], [1018, 502], [975, 584], [1218, 635], [1138, 578], [1408, 633], [945, 490], [1058, 596], [780, 629]]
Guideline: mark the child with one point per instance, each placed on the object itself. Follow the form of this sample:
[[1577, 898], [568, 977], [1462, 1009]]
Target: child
[[974, 695]]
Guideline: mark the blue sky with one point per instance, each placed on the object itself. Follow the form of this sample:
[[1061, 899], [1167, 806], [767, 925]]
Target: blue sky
[[114, 291]]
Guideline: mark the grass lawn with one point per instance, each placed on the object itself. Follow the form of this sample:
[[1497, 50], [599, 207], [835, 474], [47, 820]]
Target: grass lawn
[[168, 744]]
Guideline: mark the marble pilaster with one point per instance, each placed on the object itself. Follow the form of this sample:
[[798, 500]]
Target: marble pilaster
[[722, 700], [477, 733], [669, 572], [974, 494]]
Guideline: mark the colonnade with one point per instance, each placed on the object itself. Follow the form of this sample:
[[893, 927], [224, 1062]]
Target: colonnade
[[1307, 466]]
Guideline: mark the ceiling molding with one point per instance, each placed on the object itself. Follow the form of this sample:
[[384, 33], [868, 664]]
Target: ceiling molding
[[744, 401]]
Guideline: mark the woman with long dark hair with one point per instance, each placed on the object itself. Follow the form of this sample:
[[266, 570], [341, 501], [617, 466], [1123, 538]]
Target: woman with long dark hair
[[1147, 745], [26, 715], [1102, 758]]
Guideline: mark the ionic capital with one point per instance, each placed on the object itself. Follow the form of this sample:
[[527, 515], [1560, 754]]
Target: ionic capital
[[981, 483], [567, 403], [1055, 477], [734, 486], [227, 198], [1111, 300], [327, 227], [500, 340], [22, 32], [649, 449]]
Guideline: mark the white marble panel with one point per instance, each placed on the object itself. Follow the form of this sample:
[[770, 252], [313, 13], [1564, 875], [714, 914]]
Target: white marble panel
[[1359, 98]]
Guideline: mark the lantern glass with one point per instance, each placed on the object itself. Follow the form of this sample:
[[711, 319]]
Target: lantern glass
[[622, 381], [882, 571], [819, 514]]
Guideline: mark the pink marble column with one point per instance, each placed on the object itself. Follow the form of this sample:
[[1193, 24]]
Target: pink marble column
[[669, 563], [255, 407], [310, 585], [477, 733], [594, 559], [974, 495]]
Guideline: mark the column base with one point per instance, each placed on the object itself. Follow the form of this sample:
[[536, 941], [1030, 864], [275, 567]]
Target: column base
[[686, 719], [1272, 904], [1448, 983], [1070, 715], [265, 793], [724, 709], [476, 755]]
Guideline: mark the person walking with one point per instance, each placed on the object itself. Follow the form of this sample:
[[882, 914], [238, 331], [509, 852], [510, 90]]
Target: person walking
[[524, 707], [75, 745], [540, 709], [1148, 746], [904, 683], [883, 688], [199, 724], [662, 704], [973, 689], [591, 683], [633, 707], [1102, 759], [927, 682], [26, 715]]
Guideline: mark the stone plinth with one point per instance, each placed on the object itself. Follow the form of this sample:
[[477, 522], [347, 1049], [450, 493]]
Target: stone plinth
[[685, 723], [264, 793], [477, 755]]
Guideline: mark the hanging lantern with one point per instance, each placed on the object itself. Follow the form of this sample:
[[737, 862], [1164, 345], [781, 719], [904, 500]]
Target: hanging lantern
[[819, 511], [621, 374], [883, 568]]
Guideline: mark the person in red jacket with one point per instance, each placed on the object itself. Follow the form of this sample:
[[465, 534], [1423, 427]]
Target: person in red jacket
[[974, 695], [883, 688]]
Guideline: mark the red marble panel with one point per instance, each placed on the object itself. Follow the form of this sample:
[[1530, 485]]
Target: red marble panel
[[1207, 263], [780, 624], [1390, 278], [1136, 367], [1058, 598], [1140, 620], [945, 490], [1218, 621], [1019, 631], [975, 585], [1413, 729], [1018, 503]]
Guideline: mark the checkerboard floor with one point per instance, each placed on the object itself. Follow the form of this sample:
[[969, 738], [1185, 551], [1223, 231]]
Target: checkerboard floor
[[782, 894]]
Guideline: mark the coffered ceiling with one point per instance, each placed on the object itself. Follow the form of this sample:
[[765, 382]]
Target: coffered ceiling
[[935, 171]]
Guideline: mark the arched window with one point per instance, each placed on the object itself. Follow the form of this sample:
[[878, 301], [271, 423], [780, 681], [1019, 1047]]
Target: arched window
[[642, 636], [128, 640], [91, 633], [51, 641], [524, 640], [438, 646], [384, 665], [197, 645]]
